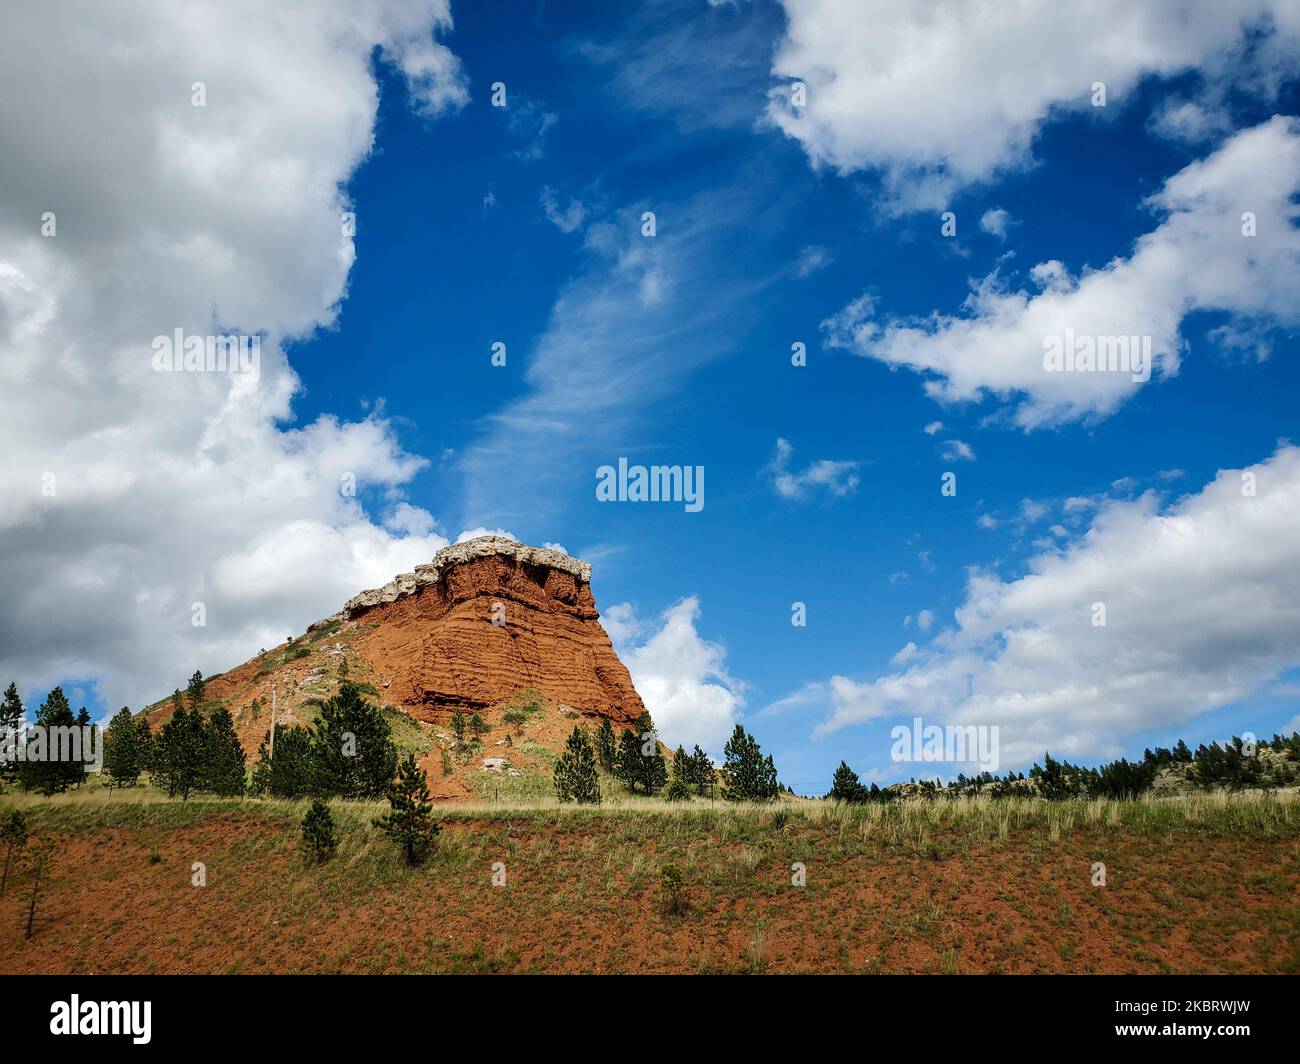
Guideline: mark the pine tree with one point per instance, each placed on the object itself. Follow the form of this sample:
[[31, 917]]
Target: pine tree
[[679, 785], [144, 743], [606, 745], [654, 770], [651, 771], [575, 772], [458, 727], [352, 747], [13, 833], [410, 822], [702, 774], [845, 785], [290, 774], [48, 774], [195, 690], [89, 741], [628, 766], [122, 750], [179, 752], [318, 832], [747, 776], [11, 723], [478, 728], [222, 770]]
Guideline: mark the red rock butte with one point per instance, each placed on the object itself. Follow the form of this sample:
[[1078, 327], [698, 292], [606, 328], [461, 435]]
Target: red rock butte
[[486, 619]]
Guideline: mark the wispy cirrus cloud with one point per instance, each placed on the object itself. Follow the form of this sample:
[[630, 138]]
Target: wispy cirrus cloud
[[600, 363]]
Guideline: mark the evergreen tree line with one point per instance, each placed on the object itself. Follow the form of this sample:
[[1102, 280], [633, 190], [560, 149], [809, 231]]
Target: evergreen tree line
[[45, 776], [347, 752], [190, 753], [633, 757], [1229, 765]]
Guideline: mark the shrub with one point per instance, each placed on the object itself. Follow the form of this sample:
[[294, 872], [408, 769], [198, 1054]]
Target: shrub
[[678, 790], [13, 833], [670, 886]]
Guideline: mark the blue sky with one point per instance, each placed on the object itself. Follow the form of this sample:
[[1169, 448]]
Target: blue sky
[[522, 224]]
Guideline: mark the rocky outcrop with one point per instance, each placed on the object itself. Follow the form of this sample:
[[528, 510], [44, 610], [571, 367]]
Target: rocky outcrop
[[458, 554], [487, 619]]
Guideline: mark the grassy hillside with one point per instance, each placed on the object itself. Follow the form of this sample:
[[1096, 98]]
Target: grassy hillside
[[1201, 884]]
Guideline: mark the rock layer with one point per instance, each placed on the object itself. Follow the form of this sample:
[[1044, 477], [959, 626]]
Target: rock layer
[[487, 619]]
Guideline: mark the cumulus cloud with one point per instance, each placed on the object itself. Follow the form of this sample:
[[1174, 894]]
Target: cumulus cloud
[[681, 677], [129, 495], [956, 451], [837, 479], [941, 96], [909, 651], [475, 533], [1199, 258], [996, 222], [1202, 608]]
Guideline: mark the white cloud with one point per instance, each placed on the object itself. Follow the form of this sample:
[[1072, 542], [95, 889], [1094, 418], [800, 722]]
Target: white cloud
[[622, 624], [597, 368], [811, 259], [956, 451], [681, 677], [568, 220], [1032, 510], [908, 652], [1202, 608], [1243, 341], [933, 427], [1197, 259], [475, 533], [1190, 121], [996, 222], [837, 479], [177, 488], [941, 96], [529, 121], [924, 620]]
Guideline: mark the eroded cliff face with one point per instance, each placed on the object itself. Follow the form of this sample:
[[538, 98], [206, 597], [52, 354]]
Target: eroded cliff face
[[488, 619]]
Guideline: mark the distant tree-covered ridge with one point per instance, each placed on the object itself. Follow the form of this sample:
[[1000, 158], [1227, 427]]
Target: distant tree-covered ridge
[[1235, 765]]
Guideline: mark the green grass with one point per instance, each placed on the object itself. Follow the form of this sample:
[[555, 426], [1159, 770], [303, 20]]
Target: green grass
[[914, 827]]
